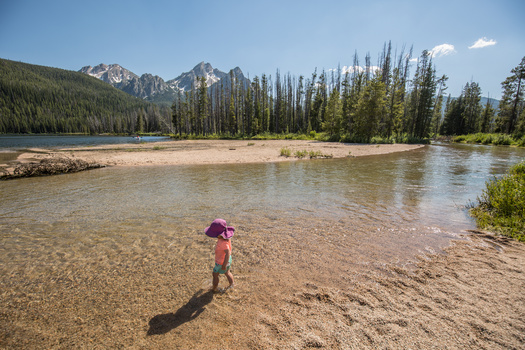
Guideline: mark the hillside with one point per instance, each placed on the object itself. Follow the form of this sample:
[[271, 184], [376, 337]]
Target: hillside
[[37, 99]]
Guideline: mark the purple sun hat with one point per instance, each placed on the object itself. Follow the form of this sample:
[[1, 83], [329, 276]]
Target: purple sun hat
[[219, 227]]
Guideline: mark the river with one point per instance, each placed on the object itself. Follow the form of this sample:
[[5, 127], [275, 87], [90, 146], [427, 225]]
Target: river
[[401, 204]]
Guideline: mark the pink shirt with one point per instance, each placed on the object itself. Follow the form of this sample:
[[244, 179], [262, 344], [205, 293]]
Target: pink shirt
[[222, 245]]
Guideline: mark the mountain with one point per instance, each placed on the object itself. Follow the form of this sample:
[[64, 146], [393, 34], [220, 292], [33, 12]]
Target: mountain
[[493, 102], [186, 81], [112, 74], [38, 99], [145, 86], [154, 88], [483, 101]]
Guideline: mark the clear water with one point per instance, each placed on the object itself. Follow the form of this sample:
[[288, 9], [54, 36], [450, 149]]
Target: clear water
[[398, 203], [10, 143]]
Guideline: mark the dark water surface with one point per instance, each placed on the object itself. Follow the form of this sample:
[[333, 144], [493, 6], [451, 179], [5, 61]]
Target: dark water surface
[[398, 203]]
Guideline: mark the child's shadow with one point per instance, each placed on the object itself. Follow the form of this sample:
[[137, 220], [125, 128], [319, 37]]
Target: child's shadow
[[161, 324]]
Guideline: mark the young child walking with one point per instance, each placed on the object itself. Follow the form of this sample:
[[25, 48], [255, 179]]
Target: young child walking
[[223, 251]]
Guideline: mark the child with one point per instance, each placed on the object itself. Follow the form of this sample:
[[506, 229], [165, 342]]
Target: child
[[223, 251]]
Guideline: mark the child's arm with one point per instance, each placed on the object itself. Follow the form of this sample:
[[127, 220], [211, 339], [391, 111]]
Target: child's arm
[[226, 260]]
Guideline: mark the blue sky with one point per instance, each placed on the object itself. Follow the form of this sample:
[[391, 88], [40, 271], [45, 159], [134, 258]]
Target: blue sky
[[166, 38]]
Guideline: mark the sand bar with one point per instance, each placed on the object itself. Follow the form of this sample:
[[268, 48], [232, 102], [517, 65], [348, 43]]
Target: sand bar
[[211, 152]]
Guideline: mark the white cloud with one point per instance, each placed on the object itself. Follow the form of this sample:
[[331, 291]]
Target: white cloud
[[483, 42], [442, 50]]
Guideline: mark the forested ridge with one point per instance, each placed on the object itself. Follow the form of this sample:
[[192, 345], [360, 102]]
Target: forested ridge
[[37, 99], [382, 102], [379, 103]]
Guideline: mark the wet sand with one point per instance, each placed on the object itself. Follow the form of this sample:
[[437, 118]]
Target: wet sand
[[289, 294], [296, 288]]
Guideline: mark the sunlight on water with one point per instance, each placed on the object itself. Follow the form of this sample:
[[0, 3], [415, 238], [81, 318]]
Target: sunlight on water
[[399, 203]]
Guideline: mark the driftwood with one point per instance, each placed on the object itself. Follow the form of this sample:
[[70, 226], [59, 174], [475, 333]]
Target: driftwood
[[50, 166]]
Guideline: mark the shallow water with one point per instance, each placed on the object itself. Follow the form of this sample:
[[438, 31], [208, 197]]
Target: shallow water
[[393, 206]]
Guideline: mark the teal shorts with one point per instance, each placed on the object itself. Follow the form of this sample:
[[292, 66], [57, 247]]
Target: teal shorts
[[218, 267]]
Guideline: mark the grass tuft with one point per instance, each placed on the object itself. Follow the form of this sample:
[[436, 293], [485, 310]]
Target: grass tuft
[[286, 152]]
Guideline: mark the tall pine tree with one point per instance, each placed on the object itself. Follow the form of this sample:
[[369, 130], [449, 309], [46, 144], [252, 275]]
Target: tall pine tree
[[512, 102]]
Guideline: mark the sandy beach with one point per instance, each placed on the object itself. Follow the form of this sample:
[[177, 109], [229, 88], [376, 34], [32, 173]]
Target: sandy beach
[[210, 152], [303, 288]]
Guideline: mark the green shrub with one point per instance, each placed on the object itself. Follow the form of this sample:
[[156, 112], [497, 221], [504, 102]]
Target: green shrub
[[502, 139], [478, 138], [518, 169], [318, 154], [501, 207], [315, 154], [487, 140], [301, 154], [334, 138], [382, 140], [286, 152]]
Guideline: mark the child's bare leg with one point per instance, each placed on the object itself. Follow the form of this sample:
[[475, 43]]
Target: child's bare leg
[[215, 281], [229, 276]]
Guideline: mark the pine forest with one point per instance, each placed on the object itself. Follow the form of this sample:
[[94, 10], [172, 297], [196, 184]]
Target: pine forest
[[397, 100]]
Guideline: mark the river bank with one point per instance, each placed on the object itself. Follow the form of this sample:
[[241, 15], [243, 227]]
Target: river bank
[[288, 295], [205, 152]]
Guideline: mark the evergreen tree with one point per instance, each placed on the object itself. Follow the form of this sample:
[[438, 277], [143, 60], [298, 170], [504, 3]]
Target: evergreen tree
[[191, 115], [232, 118], [202, 106], [472, 108], [308, 100], [422, 96], [395, 106], [487, 118], [333, 114], [435, 124], [512, 102], [352, 96], [257, 106], [139, 126], [369, 110], [453, 123], [299, 113], [265, 103], [278, 104], [319, 103], [249, 120]]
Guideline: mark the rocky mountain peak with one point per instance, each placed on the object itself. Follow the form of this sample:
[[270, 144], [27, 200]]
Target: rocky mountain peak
[[190, 80], [111, 74], [147, 86]]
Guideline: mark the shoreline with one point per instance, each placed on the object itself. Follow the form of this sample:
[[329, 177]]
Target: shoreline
[[193, 152]]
